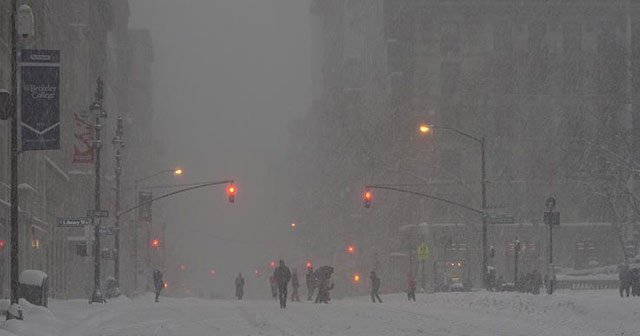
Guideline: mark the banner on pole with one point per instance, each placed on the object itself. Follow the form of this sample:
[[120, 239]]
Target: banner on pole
[[39, 99], [83, 143]]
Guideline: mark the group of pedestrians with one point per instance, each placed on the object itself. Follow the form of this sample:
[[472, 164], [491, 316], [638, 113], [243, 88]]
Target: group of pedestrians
[[629, 280]]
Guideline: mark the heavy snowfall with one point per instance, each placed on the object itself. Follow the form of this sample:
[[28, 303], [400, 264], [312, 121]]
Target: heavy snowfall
[[319, 167]]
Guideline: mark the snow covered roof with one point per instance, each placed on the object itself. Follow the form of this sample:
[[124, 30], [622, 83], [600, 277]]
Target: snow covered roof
[[32, 277]]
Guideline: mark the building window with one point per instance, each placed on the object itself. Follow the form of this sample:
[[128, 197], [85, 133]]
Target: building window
[[571, 37], [449, 76], [502, 37], [450, 38]]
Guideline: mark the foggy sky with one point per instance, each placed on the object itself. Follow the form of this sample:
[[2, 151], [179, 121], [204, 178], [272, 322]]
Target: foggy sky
[[229, 76]]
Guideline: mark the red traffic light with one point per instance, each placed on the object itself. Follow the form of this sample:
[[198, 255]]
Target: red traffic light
[[272, 264], [309, 264], [155, 243], [1, 244], [231, 192], [351, 249], [256, 272], [367, 197]]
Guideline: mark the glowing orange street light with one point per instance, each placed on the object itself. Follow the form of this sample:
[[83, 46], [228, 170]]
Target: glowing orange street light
[[294, 225], [231, 192], [177, 172], [356, 278], [424, 129], [367, 197], [155, 243], [165, 285]]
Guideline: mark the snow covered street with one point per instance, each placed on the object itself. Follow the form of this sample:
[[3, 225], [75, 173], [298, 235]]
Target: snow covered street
[[572, 313]]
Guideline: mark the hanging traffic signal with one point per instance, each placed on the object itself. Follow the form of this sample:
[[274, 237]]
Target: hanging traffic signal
[[272, 264], [1, 245], [351, 249], [231, 192], [367, 197], [155, 244], [309, 264]]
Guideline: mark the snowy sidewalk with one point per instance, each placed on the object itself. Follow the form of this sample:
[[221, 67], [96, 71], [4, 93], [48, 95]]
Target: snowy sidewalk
[[581, 313]]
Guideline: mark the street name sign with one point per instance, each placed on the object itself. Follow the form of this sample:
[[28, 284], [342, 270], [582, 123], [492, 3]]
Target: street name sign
[[73, 222]]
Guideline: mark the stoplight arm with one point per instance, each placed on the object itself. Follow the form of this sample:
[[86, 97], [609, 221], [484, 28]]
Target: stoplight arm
[[173, 193], [425, 196]]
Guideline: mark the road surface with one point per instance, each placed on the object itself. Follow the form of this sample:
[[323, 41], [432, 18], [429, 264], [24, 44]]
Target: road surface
[[581, 313]]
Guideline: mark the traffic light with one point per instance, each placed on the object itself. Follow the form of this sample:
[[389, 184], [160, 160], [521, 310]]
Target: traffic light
[[212, 273], [356, 278], [231, 192], [351, 249], [1, 245], [155, 244], [309, 264], [272, 264], [256, 272], [367, 197]]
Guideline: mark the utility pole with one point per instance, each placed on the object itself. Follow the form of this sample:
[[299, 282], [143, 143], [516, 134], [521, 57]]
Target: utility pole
[[97, 108], [484, 215], [14, 157], [118, 143], [516, 257]]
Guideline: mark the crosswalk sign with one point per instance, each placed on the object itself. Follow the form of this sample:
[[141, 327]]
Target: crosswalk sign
[[423, 252]]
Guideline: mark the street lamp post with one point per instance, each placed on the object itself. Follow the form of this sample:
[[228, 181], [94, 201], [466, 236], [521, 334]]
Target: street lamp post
[[119, 145], [97, 108], [426, 129], [516, 257], [22, 26]]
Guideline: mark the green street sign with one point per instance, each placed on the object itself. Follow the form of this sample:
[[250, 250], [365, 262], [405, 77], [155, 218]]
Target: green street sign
[[423, 252]]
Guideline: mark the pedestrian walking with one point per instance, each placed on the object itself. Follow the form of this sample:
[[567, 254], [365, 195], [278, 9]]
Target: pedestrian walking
[[411, 287], [158, 283], [282, 275], [375, 287], [624, 277], [239, 286], [295, 284], [323, 274], [311, 281]]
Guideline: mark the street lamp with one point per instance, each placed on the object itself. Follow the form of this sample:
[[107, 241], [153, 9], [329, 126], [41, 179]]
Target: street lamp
[[427, 129], [22, 25]]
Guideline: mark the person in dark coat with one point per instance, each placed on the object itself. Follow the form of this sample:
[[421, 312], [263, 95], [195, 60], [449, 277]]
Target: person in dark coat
[[295, 285], [158, 283], [411, 287], [634, 281], [624, 278], [324, 285], [239, 286], [311, 281], [282, 275], [375, 287]]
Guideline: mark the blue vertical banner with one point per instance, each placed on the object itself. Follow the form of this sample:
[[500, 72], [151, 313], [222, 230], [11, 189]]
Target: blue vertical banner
[[39, 99]]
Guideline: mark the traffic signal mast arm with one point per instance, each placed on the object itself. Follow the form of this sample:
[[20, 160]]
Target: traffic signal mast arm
[[424, 195], [173, 193]]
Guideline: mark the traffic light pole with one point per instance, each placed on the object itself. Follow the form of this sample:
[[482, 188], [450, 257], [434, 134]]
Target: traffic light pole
[[14, 159], [123, 212], [386, 187], [484, 215], [97, 146]]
